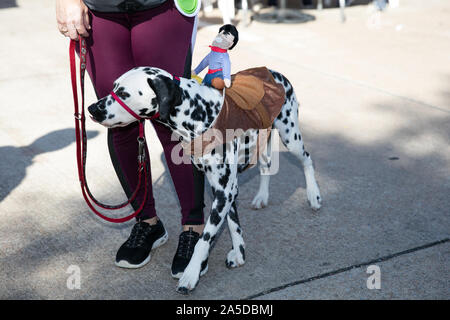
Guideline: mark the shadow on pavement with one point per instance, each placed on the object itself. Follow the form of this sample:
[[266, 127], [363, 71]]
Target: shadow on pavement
[[380, 196], [15, 160]]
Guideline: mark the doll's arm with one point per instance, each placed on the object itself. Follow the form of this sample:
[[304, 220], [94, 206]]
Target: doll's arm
[[202, 65], [227, 72]]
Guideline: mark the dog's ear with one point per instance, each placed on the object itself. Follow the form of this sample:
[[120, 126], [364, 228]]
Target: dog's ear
[[168, 94]]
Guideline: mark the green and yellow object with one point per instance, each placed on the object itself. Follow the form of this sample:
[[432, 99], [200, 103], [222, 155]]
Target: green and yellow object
[[189, 8]]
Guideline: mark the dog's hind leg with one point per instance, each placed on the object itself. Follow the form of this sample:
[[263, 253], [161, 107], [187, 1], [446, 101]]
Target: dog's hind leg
[[288, 128], [262, 197], [236, 256]]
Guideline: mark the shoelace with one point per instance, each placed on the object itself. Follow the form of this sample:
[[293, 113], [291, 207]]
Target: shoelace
[[138, 235], [187, 244]]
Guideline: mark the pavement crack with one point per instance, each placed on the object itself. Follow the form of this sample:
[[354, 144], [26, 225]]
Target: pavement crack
[[341, 270]]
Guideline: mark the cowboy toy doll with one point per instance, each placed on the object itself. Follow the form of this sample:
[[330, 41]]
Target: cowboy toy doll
[[219, 73]]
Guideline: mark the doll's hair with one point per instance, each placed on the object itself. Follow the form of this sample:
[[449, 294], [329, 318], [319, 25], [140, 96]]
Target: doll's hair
[[230, 29]]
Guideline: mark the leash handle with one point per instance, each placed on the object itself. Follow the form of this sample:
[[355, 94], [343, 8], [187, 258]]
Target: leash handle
[[81, 141]]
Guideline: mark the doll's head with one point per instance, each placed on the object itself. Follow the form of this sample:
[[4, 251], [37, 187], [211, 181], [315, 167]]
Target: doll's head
[[227, 37]]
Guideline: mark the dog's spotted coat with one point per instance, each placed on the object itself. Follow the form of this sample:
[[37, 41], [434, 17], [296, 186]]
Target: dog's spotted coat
[[190, 109]]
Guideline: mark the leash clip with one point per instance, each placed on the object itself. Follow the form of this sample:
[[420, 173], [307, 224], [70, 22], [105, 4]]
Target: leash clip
[[141, 155], [78, 116]]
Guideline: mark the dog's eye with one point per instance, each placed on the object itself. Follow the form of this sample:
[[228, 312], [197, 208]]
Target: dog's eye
[[102, 106]]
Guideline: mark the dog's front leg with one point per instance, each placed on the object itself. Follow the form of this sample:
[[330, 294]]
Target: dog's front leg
[[223, 180]]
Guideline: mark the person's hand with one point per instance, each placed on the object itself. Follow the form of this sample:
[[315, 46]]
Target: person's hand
[[227, 82], [72, 18]]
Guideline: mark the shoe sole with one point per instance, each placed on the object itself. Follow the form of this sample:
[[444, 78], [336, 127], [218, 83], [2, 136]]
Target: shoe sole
[[158, 243], [180, 274]]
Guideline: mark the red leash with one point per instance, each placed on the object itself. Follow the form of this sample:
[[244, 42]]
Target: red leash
[[81, 141]]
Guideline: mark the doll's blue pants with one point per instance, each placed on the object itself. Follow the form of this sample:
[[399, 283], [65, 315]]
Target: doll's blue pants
[[207, 79]]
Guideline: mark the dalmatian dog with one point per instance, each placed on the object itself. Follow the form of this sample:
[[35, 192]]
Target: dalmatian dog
[[189, 109]]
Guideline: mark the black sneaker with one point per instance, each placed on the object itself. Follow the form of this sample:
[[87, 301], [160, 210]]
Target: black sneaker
[[135, 252], [185, 250]]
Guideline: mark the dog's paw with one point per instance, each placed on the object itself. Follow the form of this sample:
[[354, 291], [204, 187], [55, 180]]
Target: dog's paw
[[314, 198], [234, 259], [260, 200], [188, 281], [182, 290]]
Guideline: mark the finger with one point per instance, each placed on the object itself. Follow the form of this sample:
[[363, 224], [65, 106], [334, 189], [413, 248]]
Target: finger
[[72, 32], [62, 28], [64, 32], [86, 20], [81, 29]]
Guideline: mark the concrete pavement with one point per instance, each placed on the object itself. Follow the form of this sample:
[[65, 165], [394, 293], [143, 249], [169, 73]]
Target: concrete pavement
[[375, 114]]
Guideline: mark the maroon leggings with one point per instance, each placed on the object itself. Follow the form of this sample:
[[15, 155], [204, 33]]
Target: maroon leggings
[[159, 37]]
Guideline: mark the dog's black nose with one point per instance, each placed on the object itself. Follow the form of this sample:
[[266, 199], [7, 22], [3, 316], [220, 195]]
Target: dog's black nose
[[97, 113], [92, 108]]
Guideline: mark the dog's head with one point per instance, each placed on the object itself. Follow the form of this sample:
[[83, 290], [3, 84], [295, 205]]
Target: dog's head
[[145, 91]]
